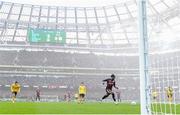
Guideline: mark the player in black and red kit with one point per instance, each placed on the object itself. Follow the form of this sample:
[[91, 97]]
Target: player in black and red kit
[[38, 94], [110, 84]]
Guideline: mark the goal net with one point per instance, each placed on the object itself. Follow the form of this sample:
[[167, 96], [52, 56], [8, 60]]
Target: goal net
[[165, 82], [163, 57]]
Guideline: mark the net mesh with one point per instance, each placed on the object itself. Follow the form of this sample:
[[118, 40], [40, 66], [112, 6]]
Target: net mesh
[[165, 82], [164, 60]]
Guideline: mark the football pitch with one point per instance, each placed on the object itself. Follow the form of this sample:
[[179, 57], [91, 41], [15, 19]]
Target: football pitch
[[67, 108], [70, 108]]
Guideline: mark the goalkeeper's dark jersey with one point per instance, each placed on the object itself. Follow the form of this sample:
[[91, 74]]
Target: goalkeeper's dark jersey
[[110, 83]]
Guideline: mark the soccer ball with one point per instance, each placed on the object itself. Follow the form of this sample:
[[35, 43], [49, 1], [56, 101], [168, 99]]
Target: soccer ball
[[133, 103]]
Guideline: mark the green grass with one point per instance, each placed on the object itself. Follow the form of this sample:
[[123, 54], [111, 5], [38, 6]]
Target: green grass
[[67, 108], [166, 108], [74, 108]]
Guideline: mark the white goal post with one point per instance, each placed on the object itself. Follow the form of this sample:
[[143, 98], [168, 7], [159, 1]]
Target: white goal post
[[143, 59], [159, 74]]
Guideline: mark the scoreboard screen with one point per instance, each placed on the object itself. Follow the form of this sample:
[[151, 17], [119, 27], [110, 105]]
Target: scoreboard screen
[[46, 36]]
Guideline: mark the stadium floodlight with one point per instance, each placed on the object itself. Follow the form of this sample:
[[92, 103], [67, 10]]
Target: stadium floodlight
[[143, 60]]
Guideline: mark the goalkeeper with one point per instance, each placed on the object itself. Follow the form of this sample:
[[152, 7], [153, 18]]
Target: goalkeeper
[[15, 89]]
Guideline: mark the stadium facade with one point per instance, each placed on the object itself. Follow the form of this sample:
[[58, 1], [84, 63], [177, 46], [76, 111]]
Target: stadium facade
[[87, 44]]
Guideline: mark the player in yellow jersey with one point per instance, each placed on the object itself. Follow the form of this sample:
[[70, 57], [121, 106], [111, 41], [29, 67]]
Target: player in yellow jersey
[[154, 95], [82, 92], [15, 88], [169, 93]]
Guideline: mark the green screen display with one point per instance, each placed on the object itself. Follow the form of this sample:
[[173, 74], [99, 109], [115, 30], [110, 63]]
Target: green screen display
[[46, 36]]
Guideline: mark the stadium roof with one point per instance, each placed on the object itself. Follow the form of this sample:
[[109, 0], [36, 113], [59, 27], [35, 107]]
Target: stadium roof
[[110, 25], [70, 3]]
